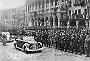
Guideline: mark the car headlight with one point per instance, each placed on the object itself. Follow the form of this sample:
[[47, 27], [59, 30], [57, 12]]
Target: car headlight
[[30, 46], [39, 45]]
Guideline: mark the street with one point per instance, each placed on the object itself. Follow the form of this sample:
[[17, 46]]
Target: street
[[9, 53]]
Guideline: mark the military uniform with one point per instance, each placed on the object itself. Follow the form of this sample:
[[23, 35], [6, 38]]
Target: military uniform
[[88, 46]]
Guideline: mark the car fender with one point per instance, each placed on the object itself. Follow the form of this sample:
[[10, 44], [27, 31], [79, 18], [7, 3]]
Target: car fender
[[25, 45], [40, 43]]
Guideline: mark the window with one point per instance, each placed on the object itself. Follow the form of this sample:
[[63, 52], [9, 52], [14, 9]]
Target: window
[[85, 11], [39, 3], [33, 4], [51, 2], [30, 7], [62, 0], [70, 12], [56, 1], [70, 3], [36, 5], [47, 3], [77, 3], [43, 4], [75, 11], [79, 11]]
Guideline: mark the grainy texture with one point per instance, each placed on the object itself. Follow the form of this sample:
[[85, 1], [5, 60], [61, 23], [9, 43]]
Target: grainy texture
[[9, 53]]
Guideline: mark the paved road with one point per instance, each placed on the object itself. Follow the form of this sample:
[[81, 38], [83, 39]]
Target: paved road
[[9, 53]]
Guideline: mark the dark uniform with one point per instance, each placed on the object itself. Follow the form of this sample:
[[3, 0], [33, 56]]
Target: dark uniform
[[81, 44], [88, 45], [4, 39]]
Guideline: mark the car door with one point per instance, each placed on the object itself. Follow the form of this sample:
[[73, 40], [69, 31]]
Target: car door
[[21, 43], [18, 43]]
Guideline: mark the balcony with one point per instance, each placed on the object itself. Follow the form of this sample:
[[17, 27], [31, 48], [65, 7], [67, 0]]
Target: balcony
[[83, 4], [63, 10], [77, 4], [64, 17], [80, 4], [77, 16]]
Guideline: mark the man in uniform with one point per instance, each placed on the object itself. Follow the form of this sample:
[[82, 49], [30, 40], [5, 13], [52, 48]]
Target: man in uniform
[[87, 41], [81, 44], [4, 39]]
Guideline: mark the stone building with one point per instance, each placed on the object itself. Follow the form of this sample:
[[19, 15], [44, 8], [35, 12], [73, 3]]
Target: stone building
[[51, 13], [78, 12]]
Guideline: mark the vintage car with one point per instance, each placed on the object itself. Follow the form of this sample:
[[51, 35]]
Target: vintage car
[[8, 39], [28, 44]]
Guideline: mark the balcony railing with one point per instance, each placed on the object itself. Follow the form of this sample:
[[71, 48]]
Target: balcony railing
[[83, 4], [77, 16], [63, 9], [77, 4], [80, 4], [69, 5]]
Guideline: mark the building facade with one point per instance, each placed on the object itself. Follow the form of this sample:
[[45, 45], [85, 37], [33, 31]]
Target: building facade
[[51, 13], [15, 17], [78, 12]]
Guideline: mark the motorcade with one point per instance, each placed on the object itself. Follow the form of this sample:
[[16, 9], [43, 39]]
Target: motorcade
[[28, 44]]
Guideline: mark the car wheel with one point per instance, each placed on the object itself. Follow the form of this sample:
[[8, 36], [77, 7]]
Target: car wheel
[[40, 51], [15, 45], [25, 50]]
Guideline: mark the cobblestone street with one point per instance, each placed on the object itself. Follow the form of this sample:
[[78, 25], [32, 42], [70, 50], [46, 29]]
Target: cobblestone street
[[9, 53]]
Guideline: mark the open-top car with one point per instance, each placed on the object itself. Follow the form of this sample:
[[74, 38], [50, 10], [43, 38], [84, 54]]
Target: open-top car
[[28, 44]]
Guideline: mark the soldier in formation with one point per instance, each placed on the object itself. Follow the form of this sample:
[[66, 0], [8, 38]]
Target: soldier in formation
[[69, 41]]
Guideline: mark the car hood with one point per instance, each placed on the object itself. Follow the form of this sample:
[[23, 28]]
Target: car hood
[[31, 41]]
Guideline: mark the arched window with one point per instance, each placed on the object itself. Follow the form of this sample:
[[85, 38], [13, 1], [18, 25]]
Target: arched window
[[72, 23], [82, 23]]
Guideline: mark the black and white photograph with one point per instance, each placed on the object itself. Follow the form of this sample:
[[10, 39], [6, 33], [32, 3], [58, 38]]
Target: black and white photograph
[[44, 30]]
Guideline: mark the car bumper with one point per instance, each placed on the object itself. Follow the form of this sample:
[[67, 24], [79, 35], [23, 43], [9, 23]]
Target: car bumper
[[40, 49]]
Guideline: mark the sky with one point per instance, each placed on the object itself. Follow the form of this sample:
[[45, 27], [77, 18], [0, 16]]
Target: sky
[[7, 4]]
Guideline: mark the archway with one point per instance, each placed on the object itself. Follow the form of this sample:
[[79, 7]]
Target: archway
[[72, 23], [64, 24], [81, 23]]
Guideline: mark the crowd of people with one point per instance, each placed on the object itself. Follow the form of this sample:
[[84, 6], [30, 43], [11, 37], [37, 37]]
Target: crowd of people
[[71, 40]]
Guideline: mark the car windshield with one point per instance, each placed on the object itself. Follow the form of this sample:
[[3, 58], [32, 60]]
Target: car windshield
[[28, 38]]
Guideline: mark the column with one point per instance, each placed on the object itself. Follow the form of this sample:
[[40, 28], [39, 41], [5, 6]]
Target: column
[[49, 22], [77, 23], [58, 22], [68, 23], [53, 21], [54, 3], [89, 23], [86, 24]]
